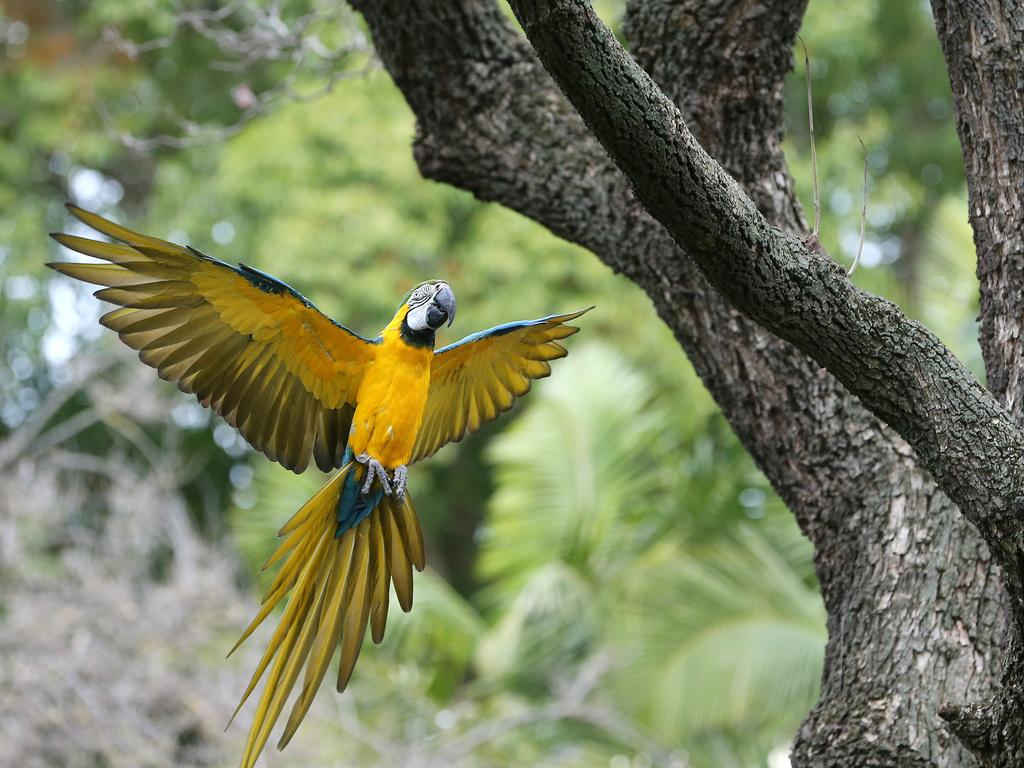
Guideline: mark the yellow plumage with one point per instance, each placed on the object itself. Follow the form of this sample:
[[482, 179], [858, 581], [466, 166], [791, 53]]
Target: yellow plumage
[[300, 387], [391, 399], [477, 379], [338, 586]]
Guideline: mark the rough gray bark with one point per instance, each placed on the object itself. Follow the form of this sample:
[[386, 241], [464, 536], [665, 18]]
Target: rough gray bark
[[983, 43], [892, 550]]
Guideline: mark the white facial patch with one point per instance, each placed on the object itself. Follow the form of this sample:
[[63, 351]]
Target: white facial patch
[[417, 317]]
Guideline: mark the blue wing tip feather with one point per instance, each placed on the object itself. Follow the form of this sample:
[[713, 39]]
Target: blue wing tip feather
[[505, 328]]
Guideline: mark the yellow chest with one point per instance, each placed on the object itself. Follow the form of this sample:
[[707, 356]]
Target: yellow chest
[[391, 400]]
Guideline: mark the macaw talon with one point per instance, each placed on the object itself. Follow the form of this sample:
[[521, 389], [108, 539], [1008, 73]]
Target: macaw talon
[[400, 478], [374, 470]]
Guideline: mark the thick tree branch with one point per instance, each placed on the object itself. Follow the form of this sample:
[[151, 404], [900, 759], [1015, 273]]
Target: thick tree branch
[[897, 368], [723, 65]]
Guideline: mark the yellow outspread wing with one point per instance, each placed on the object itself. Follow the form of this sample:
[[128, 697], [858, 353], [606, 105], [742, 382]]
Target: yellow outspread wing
[[245, 344], [477, 379]]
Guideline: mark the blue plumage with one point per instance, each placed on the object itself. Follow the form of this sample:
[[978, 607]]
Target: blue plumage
[[353, 506], [498, 330]]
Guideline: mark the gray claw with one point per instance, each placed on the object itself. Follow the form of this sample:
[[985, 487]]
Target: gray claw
[[374, 469], [401, 477]]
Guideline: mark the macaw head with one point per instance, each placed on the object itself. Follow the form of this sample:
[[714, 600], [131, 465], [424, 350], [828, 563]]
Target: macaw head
[[430, 305]]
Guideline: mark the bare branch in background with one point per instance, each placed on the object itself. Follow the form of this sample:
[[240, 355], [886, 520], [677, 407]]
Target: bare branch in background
[[247, 35], [863, 213], [16, 443], [816, 232]]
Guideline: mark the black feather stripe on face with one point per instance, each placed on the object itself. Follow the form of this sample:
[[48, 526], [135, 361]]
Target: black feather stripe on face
[[420, 294], [423, 338]]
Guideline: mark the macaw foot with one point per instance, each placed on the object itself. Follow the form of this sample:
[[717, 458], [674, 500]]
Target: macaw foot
[[401, 477], [394, 485], [374, 471]]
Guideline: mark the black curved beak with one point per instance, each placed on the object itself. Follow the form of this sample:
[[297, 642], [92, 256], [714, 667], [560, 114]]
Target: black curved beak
[[444, 304]]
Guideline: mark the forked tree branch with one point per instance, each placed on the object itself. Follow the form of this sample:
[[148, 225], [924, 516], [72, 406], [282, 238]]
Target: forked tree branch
[[896, 367]]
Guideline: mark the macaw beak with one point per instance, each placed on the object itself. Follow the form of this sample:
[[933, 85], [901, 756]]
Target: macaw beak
[[444, 305]]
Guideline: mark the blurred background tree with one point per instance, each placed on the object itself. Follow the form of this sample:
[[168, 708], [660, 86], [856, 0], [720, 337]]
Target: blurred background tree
[[611, 582]]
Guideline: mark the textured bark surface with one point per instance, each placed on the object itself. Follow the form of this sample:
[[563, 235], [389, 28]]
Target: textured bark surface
[[983, 43], [913, 597]]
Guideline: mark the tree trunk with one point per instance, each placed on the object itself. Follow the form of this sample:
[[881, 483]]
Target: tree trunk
[[915, 602], [983, 43]]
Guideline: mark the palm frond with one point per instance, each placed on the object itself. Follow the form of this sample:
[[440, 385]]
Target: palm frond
[[585, 459], [549, 627], [727, 636]]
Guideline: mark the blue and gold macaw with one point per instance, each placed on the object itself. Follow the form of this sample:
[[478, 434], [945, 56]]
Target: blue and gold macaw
[[299, 386]]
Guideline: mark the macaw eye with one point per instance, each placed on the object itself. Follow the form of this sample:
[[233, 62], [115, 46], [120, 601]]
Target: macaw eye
[[421, 294]]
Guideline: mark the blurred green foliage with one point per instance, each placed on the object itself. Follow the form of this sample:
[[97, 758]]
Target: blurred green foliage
[[878, 77], [612, 522]]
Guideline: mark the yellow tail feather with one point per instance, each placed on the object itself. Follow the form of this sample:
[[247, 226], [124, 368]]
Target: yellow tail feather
[[337, 586]]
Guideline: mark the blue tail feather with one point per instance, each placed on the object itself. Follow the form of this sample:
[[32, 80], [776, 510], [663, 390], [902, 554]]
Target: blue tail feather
[[353, 506]]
